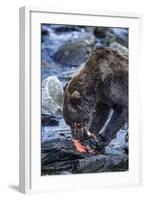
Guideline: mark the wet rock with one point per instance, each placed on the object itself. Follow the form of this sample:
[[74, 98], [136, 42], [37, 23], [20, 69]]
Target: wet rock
[[52, 96], [75, 52], [117, 152], [90, 28], [121, 35], [59, 157], [118, 145], [117, 35], [49, 133], [116, 163], [67, 75], [101, 32], [91, 164], [44, 31], [119, 47], [110, 35], [110, 38], [47, 120], [65, 28]]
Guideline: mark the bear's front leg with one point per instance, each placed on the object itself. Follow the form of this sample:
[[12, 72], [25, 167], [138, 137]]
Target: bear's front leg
[[98, 118], [118, 119]]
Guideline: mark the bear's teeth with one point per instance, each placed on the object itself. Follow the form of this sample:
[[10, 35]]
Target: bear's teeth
[[88, 133], [82, 131], [75, 125]]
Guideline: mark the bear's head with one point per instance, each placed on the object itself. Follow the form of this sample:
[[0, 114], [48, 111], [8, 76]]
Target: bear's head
[[77, 103], [77, 112]]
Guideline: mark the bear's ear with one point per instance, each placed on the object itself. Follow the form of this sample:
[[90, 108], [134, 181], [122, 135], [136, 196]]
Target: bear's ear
[[75, 95], [64, 88]]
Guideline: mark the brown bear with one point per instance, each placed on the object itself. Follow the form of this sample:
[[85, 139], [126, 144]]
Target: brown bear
[[100, 89]]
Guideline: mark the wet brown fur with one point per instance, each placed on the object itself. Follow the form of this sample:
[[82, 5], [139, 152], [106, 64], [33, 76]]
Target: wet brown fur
[[102, 85]]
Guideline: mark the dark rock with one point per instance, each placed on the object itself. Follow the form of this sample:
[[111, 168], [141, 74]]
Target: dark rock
[[119, 47], [117, 35], [91, 164], [116, 163], [47, 120], [75, 52], [110, 35], [58, 156], [110, 38], [121, 35], [65, 28], [101, 32], [44, 31]]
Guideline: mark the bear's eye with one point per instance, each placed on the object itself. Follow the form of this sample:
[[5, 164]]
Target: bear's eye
[[75, 101], [76, 106]]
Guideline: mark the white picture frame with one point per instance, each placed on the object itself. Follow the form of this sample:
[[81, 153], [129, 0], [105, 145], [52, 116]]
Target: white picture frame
[[30, 176]]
